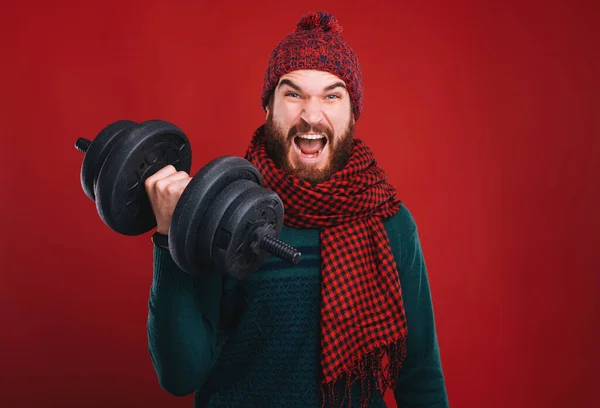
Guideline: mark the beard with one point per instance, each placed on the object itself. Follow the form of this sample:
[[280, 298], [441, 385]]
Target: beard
[[278, 144]]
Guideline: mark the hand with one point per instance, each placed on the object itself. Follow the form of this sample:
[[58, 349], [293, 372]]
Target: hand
[[164, 189]]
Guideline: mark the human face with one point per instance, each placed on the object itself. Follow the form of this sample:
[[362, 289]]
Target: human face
[[309, 125]]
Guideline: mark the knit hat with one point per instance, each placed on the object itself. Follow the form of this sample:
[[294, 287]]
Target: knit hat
[[316, 44]]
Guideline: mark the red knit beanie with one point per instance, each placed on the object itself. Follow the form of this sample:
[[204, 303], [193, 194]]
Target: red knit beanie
[[316, 44]]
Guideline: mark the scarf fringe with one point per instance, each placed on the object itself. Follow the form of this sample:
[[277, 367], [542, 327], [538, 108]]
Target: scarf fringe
[[372, 374]]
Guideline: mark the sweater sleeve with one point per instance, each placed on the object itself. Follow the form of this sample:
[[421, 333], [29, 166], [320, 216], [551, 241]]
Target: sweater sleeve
[[183, 315], [421, 381]]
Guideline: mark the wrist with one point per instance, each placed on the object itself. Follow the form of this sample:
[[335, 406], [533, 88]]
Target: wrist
[[162, 230]]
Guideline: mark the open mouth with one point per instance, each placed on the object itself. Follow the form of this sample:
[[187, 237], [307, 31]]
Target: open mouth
[[310, 146]]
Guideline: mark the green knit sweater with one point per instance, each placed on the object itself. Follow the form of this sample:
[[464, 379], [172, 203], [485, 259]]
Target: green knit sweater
[[255, 343]]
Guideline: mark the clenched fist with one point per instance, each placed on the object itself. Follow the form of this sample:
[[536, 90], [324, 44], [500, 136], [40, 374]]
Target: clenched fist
[[164, 189]]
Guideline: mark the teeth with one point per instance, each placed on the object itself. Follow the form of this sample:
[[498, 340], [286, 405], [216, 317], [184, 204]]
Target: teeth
[[311, 136]]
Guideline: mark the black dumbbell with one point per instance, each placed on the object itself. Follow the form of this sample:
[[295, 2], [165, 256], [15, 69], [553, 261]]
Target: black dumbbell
[[225, 219]]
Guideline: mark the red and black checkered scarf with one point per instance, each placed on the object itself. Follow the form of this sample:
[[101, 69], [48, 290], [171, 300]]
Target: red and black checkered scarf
[[362, 313]]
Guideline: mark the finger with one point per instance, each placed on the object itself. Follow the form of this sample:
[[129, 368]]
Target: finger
[[164, 183], [160, 174], [176, 176], [178, 186]]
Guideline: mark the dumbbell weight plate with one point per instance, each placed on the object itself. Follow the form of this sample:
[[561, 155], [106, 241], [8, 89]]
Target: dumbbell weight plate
[[141, 151], [214, 216], [185, 232], [253, 208], [95, 155]]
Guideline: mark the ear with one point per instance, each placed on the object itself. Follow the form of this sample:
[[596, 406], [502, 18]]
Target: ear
[[267, 109]]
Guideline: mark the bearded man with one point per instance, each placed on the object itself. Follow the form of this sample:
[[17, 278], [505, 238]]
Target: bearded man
[[354, 318]]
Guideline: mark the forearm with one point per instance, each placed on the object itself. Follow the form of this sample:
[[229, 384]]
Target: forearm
[[183, 314]]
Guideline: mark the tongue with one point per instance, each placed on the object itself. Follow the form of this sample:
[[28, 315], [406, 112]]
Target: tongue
[[309, 146]]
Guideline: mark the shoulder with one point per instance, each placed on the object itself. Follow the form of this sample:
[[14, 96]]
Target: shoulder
[[402, 223], [401, 229]]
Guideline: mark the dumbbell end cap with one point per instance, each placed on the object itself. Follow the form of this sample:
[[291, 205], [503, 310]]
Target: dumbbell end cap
[[83, 144]]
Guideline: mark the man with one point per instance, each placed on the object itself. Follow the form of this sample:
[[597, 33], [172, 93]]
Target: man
[[351, 320]]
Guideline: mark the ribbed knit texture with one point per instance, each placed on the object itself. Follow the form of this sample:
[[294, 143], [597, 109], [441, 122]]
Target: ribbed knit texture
[[255, 343]]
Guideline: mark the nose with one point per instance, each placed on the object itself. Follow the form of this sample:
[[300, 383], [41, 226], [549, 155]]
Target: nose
[[312, 112]]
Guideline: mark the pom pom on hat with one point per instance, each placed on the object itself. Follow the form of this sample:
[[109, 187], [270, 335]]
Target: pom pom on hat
[[319, 20]]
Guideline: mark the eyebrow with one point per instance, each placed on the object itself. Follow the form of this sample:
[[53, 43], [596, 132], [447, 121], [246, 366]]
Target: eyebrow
[[297, 88]]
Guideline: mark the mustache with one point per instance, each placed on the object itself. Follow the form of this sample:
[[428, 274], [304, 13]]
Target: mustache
[[303, 127]]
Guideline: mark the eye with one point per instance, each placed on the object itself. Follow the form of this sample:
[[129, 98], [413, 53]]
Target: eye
[[334, 96], [291, 94]]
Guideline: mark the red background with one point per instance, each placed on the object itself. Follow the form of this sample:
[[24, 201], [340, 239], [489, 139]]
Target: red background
[[485, 116]]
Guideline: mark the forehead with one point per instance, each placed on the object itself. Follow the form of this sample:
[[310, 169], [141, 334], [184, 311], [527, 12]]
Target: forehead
[[310, 79]]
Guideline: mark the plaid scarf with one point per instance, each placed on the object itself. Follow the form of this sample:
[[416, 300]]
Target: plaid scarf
[[362, 313]]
